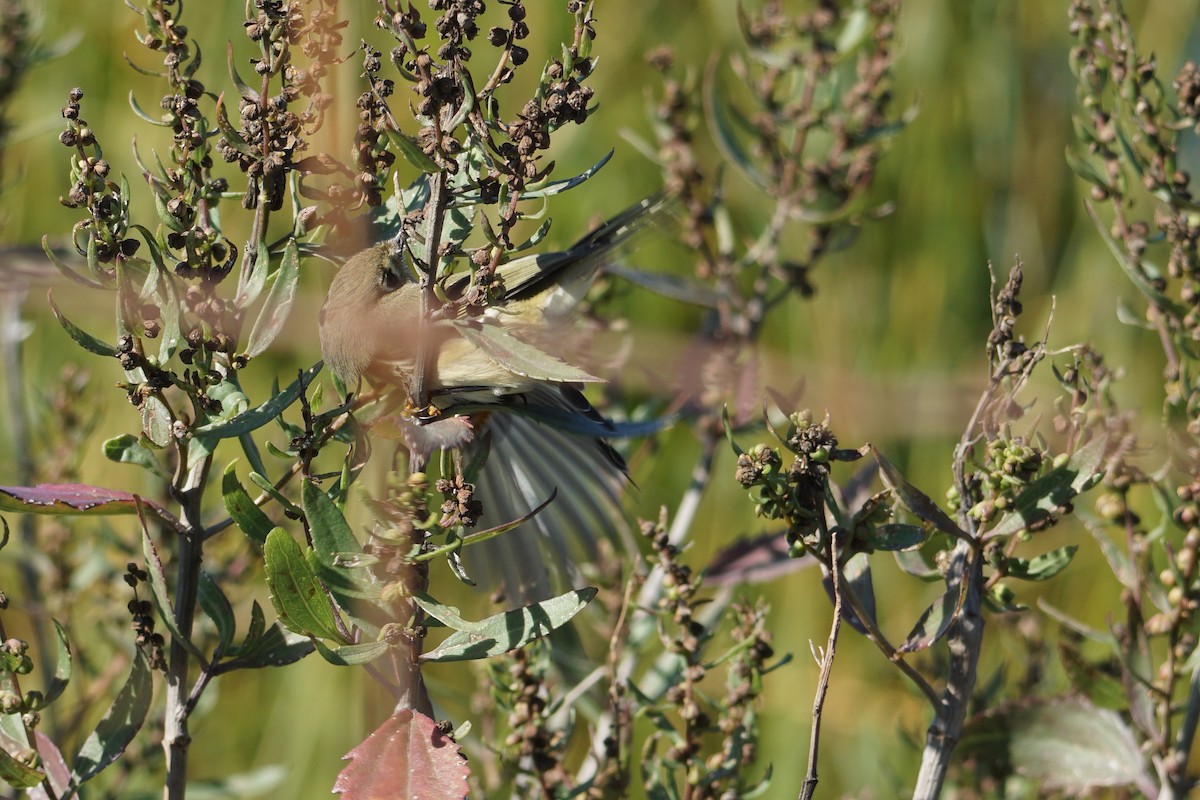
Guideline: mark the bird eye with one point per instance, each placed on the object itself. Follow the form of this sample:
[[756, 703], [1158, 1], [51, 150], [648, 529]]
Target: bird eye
[[389, 279]]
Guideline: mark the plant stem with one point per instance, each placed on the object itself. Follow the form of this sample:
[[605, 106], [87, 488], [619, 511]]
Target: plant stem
[[176, 739], [965, 640], [810, 779]]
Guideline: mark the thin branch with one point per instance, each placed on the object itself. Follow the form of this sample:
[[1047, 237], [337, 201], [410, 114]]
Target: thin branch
[[810, 779]]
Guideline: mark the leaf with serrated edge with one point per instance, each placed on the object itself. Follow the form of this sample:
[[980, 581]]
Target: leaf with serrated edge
[[332, 539], [509, 630], [295, 591], [249, 517], [406, 756]]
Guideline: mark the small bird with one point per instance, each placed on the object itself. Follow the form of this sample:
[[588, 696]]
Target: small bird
[[545, 436]]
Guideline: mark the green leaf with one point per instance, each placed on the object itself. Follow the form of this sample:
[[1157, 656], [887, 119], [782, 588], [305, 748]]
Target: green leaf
[[1062, 745], [127, 449], [81, 337], [673, 287], [62, 667], [350, 654], [914, 499], [217, 607], [119, 725], [296, 593], [274, 647], [243, 89], [520, 357], [156, 420], [17, 774], [559, 186], [898, 536], [67, 271], [257, 417], [262, 482], [335, 548], [162, 599], [411, 151], [249, 517], [278, 304], [250, 285], [1041, 567], [933, 624], [1053, 490], [506, 631], [720, 126]]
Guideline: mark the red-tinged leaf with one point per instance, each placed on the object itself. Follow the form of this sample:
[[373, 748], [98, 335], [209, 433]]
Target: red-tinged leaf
[[754, 561], [71, 498], [406, 756]]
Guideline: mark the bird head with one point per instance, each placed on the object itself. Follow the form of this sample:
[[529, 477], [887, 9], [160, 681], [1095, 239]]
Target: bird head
[[372, 293]]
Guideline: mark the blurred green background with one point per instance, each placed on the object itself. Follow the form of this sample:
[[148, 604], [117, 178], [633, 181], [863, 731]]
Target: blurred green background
[[892, 343]]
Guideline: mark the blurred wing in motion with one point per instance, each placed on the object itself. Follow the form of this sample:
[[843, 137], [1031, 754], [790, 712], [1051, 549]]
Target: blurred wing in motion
[[529, 458]]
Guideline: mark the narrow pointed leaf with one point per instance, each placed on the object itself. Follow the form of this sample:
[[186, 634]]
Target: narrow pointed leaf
[[72, 498], [914, 499], [217, 607], [559, 186], [350, 654], [62, 668], [412, 152], [162, 599], [278, 304], [259, 416], [249, 517], [81, 337], [509, 630], [119, 725], [1043, 567]]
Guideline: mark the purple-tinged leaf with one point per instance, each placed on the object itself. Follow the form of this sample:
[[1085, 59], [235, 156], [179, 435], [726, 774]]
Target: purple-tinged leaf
[[856, 575], [754, 561], [72, 498]]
